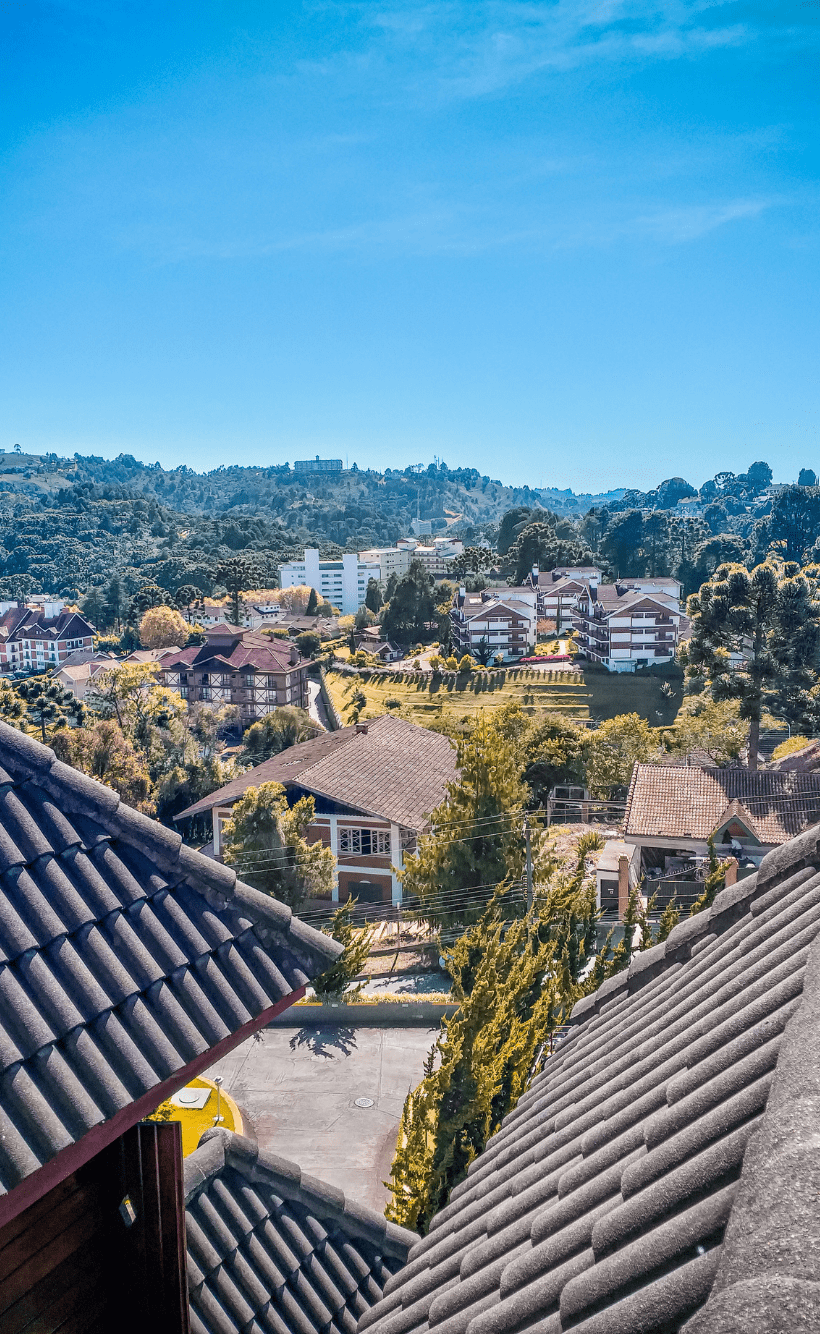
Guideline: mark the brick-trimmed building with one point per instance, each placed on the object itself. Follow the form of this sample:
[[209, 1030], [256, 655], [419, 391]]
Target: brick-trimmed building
[[374, 786], [623, 627], [33, 640], [236, 666], [504, 619]]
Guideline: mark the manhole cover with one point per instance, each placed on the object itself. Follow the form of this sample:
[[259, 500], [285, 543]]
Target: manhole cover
[[363, 1102]]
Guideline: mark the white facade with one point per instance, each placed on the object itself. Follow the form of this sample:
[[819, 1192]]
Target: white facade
[[342, 582]]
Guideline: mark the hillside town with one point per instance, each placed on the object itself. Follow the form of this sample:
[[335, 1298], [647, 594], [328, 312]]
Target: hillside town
[[491, 810], [409, 668]]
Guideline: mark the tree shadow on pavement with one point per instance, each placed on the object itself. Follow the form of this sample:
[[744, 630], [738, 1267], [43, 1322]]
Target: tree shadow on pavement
[[325, 1041]]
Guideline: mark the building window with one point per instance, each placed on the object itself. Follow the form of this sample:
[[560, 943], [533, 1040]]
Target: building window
[[365, 842]]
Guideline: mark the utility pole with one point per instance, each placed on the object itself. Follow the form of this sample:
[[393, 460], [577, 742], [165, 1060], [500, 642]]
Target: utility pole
[[529, 862]]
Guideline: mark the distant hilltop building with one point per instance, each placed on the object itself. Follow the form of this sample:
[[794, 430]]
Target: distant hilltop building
[[317, 465]]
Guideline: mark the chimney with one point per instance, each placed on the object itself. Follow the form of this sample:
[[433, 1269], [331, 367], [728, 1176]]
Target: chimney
[[535, 573], [361, 729], [623, 886], [731, 872]]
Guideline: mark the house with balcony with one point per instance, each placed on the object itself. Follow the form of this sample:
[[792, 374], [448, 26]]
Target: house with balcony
[[373, 785], [235, 666], [622, 627], [503, 619], [41, 637]]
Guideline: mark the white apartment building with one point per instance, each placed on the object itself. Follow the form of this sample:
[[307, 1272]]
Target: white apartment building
[[342, 582], [391, 560], [623, 627]]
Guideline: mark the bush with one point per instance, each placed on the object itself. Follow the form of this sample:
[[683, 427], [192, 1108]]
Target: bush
[[392, 703], [466, 663], [452, 663], [789, 747]]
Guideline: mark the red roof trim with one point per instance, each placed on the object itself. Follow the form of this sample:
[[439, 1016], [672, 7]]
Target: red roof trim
[[32, 1188]]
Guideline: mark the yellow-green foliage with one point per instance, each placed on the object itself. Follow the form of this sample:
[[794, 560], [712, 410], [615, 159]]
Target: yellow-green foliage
[[514, 981], [789, 747], [265, 843]]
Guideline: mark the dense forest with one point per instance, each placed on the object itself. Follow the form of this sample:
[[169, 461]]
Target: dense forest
[[72, 526]]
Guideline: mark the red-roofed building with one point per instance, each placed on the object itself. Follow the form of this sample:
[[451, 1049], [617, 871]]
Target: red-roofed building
[[236, 666], [30, 640]]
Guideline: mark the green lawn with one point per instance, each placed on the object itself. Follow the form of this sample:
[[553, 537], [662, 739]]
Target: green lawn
[[582, 696]]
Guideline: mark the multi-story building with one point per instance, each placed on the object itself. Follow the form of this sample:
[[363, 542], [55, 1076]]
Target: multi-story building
[[342, 582], [235, 666], [505, 620], [40, 638], [559, 590], [436, 558], [317, 465], [390, 560], [623, 627], [374, 786]]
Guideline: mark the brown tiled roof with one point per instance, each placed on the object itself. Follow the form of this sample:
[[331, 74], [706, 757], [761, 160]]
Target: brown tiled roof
[[227, 647], [395, 771], [680, 802]]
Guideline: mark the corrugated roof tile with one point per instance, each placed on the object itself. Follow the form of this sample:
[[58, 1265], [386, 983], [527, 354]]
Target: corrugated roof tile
[[649, 1114]]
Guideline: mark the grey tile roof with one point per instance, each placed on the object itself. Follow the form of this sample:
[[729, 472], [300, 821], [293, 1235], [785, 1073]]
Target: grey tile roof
[[660, 1174], [124, 955], [679, 801], [272, 1249], [394, 770]]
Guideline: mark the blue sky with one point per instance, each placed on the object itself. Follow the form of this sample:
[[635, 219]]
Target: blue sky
[[570, 243]]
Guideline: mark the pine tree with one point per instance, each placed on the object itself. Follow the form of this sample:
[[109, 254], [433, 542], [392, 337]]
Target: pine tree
[[515, 982], [336, 980], [476, 840], [768, 621], [669, 920], [265, 843], [715, 880]]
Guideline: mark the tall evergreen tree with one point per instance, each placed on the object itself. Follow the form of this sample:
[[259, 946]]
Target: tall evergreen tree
[[755, 638], [412, 608], [238, 573], [515, 983], [476, 836]]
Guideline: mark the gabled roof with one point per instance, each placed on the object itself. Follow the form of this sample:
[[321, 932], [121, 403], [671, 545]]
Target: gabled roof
[[736, 813], [393, 770], [126, 959], [659, 1175], [32, 623], [231, 649], [678, 801], [272, 1249]]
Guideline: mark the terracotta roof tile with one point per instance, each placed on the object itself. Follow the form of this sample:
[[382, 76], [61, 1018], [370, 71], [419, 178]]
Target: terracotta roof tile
[[677, 801]]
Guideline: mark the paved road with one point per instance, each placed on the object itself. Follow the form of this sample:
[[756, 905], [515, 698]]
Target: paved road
[[298, 1088], [316, 706]]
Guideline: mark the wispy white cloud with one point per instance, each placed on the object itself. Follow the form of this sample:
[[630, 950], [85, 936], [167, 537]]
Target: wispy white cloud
[[458, 50], [454, 230]]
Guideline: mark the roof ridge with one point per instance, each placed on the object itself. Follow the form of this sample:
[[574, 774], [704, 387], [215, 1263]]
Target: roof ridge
[[78, 794], [219, 1148], [752, 894], [754, 1282]]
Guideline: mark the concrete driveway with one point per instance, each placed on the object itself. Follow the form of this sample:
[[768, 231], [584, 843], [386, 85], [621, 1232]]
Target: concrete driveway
[[297, 1088]]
